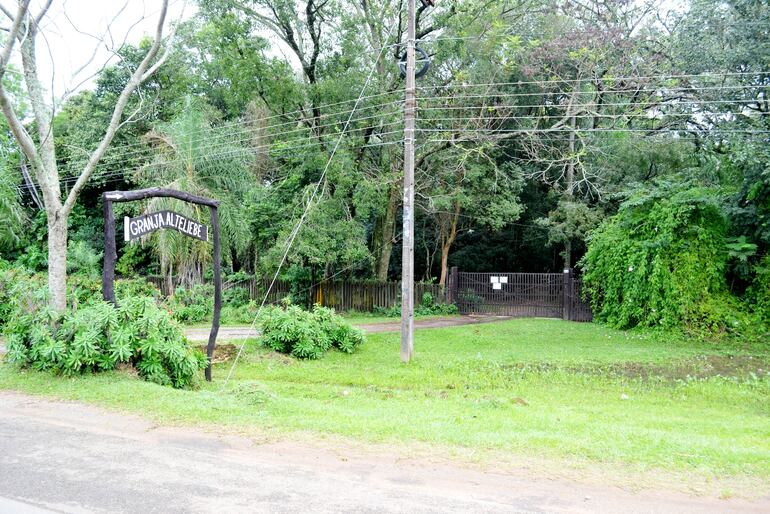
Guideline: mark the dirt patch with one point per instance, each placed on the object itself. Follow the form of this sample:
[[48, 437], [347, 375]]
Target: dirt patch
[[454, 321], [707, 366], [222, 353], [198, 334], [741, 367]]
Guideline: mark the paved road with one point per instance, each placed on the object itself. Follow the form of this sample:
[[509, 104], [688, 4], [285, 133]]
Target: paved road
[[232, 333], [67, 457]]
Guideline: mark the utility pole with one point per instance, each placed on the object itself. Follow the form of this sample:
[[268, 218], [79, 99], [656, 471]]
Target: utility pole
[[407, 260]]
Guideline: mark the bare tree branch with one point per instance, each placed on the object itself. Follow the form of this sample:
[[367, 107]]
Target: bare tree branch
[[141, 73]]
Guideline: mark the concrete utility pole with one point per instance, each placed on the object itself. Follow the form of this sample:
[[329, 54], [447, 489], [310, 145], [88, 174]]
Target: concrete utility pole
[[407, 262]]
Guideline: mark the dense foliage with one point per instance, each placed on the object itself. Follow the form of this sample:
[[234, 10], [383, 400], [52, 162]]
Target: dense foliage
[[661, 262], [95, 336], [536, 122], [307, 334], [428, 306]]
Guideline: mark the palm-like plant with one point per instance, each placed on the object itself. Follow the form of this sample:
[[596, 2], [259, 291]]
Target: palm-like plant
[[11, 211], [194, 156]]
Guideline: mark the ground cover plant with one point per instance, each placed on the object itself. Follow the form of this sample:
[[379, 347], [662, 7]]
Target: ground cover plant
[[579, 394], [92, 335], [307, 334], [428, 306]]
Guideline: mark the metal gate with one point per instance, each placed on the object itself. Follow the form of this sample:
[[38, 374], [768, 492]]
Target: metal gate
[[546, 295]]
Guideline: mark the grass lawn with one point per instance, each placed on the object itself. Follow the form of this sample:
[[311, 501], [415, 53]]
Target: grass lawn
[[531, 388]]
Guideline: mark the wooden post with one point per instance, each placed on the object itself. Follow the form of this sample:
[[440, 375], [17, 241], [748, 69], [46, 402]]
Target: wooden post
[[217, 291], [451, 292], [110, 253]]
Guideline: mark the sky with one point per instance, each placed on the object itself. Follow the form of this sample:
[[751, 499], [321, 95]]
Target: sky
[[80, 36]]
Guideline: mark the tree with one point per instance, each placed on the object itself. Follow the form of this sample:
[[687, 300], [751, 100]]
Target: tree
[[37, 141], [185, 160], [10, 209]]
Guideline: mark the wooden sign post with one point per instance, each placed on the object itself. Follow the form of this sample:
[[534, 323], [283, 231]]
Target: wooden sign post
[[134, 228]]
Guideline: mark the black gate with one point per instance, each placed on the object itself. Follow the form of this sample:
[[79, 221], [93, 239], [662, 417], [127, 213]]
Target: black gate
[[546, 295]]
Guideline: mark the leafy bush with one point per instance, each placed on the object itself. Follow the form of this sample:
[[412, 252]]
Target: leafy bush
[[307, 334], [239, 313], [195, 304], [342, 335], [83, 260], [428, 307], [758, 294], [97, 337], [192, 304], [661, 262]]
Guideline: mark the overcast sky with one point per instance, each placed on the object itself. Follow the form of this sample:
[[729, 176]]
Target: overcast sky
[[74, 28]]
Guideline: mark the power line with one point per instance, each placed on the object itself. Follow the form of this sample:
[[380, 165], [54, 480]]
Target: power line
[[240, 130], [651, 91], [593, 80], [233, 152], [296, 230]]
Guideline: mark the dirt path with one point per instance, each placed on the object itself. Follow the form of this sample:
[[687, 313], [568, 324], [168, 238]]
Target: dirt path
[[69, 457], [232, 333], [201, 334]]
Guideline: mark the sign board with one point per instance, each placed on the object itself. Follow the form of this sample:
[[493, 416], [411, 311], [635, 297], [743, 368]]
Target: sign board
[[141, 225], [134, 228]]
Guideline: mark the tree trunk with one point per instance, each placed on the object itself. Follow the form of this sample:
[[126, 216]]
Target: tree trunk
[[385, 227], [447, 240], [444, 261], [567, 254], [57, 262]]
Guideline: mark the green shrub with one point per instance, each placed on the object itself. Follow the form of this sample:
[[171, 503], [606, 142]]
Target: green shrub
[[97, 337], [239, 313], [83, 260], [196, 304], [428, 307], [307, 334], [661, 261], [192, 304], [758, 295], [340, 333]]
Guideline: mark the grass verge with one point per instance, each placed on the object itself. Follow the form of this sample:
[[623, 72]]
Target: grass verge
[[567, 392]]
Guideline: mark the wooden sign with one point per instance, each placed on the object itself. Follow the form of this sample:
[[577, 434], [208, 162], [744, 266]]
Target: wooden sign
[[134, 228], [164, 219]]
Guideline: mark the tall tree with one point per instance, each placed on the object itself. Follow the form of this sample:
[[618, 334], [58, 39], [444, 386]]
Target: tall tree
[[37, 142], [193, 155]]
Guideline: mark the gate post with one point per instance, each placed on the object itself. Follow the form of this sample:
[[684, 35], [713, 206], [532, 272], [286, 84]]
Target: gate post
[[451, 290], [567, 305]]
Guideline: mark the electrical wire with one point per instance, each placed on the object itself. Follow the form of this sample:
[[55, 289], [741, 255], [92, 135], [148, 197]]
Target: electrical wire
[[310, 201]]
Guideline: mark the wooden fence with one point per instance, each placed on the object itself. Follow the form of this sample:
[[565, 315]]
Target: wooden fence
[[547, 295], [341, 295], [367, 296]]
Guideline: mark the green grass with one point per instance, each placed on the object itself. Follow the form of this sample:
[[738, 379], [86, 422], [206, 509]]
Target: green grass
[[536, 388]]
